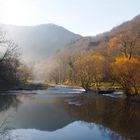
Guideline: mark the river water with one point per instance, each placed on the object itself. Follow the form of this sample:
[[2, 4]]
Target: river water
[[63, 113]]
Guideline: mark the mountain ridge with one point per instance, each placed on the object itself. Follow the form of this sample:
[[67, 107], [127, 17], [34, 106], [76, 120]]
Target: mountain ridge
[[40, 41], [89, 42]]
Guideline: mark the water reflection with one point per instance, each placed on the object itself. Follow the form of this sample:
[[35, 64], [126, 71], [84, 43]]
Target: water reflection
[[55, 117], [120, 115], [6, 105], [34, 112], [8, 101], [74, 131]]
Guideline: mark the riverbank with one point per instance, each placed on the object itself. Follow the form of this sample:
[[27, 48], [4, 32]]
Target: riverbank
[[116, 94], [106, 92], [26, 86]]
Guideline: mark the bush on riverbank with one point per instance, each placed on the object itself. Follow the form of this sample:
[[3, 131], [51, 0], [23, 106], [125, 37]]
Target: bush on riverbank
[[31, 86]]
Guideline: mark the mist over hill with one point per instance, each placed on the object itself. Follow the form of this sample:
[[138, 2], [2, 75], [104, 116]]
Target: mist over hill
[[43, 43], [40, 42]]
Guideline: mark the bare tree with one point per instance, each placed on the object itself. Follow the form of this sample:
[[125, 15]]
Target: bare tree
[[127, 42], [9, 61]]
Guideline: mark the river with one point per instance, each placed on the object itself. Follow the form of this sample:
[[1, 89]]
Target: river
[[65, 113]]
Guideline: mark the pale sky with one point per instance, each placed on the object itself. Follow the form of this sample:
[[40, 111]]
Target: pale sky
[[85, 17]]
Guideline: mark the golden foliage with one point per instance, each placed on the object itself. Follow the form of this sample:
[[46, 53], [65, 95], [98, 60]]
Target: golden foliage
[[127, 72], [88, 69]]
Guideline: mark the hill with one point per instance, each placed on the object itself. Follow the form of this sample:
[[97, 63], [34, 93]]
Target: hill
[[42, 41], [89, 42]]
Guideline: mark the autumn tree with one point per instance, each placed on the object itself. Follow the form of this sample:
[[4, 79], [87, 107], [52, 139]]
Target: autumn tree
[[62, 70], [54, 75], [127, 73], [126, 43], [88, 70]]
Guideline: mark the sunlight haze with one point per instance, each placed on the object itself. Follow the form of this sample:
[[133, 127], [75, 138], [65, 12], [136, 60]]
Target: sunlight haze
[[69, 69]]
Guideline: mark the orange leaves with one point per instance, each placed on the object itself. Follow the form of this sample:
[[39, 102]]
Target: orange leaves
[[112, 43], [88, 69], [125, 43], [127, 72], [127, 65]]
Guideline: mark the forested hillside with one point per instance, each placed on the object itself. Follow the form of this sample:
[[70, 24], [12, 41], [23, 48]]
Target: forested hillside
[[112, 57]]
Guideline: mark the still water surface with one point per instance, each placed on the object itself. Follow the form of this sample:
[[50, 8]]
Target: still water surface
[[67, 114]]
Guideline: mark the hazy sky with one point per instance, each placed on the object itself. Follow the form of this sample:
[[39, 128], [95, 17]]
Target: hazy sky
[[86, 17]]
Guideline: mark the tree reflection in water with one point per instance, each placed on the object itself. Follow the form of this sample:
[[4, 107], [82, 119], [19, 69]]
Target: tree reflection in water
[[6, 102], [115, 118], [119, 115]]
